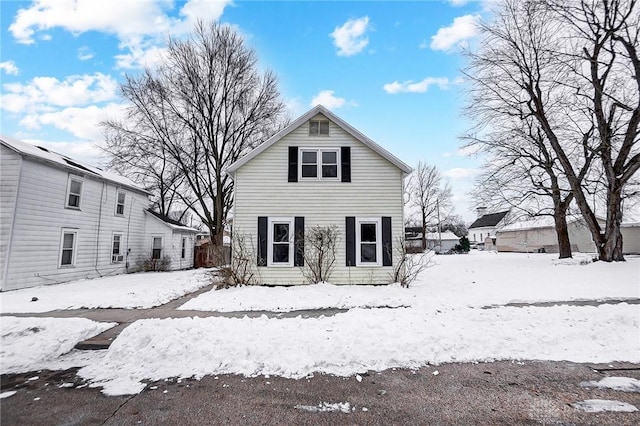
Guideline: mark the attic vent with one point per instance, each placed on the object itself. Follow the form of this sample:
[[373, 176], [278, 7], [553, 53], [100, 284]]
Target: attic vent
[[74, 164], [42, 148]]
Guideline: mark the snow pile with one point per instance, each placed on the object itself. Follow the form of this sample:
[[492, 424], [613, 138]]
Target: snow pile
[[141, 290], [362, 340], [624, 384], [324, 407], [286, 299], [28, 343], [601, 405], [7, 394]]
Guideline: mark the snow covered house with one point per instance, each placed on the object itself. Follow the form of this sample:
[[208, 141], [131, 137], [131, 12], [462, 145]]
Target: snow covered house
[[320, 171], [539, 234], [442, 242], [483, 229], [63, 220]]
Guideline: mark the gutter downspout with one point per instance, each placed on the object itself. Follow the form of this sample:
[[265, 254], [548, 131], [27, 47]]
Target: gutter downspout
[[98, 230]]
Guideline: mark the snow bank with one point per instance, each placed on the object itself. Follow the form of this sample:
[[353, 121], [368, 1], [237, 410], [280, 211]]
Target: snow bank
[[362, 340], [601, 405], [286, 299], [141, 290], [624, 384], [26, 344]]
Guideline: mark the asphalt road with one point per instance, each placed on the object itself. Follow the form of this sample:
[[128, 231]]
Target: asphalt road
[[496, 393]]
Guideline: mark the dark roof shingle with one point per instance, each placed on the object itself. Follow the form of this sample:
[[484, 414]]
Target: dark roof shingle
[[488, 220]]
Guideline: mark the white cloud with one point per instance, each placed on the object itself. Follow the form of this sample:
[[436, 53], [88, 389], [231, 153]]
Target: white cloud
[[9, 67], [328, 99], [84, 53], [458, 3], [350, 38], [460, 173], [294, 106], [410, 86], [83, 123], [45, 93], [140, 54], [456, 34], [423, 44]]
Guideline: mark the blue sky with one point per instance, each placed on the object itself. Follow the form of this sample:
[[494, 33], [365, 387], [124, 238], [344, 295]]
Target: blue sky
[[389, 68]]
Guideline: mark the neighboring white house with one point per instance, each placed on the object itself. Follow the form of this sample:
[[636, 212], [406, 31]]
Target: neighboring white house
[[62, 220], [539, 234], [483, 229], [320, 171], [443, 241], [170, 238]]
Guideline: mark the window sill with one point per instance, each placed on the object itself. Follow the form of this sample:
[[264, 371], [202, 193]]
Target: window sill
[[66, 266], [280, 265], [72, 208]]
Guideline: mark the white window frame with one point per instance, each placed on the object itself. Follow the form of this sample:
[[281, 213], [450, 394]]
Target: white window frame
[[319, 135], [369, 220], [153, 237], [319, 163], [119, 257], [74, 248], [183, 248], [66, 202], [270, 242], [124, 202]]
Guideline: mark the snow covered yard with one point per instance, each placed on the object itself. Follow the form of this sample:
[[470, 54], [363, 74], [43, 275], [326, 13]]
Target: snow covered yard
[[140, 290], [439, 319]]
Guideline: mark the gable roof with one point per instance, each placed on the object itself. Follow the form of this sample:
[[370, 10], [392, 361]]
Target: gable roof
[[319, 109], [62, 161], [173, 224], [488, 220]]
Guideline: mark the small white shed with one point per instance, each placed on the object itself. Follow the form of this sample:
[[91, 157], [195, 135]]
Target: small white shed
[[169, 238]]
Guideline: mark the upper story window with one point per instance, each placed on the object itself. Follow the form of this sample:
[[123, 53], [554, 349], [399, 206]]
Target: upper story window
[[74, 192], [120, 203], [318, 127], [319, 163]]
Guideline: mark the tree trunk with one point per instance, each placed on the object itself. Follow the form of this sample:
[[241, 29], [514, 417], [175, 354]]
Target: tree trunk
[[562, 232], [610, 249]]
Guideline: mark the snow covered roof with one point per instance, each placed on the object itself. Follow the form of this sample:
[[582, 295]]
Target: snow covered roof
[[488, 220], [535, 223], [319, 109], [53, 158], [173, 224], [444, 236]]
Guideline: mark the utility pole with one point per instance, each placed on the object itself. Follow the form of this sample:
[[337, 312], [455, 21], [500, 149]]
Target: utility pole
[[439, 234]]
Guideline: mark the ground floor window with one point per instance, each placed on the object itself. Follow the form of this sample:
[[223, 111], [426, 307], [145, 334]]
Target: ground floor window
[[280, 242], [183, 249], [116, 249], [68, 247], [156, 248], [368, 242]]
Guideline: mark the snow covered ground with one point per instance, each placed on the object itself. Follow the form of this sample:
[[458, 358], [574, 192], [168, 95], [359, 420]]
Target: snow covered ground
[[143, 290], [439, 319]]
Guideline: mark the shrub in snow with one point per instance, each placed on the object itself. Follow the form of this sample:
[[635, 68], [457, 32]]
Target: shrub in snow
[[149, 264], [319, 253], [242, 269], [410, 265]]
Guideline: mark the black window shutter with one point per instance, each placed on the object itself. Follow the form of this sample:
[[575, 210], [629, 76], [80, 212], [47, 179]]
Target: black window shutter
[[387, 245], [262, 240], [293, 164], [351, 240], [345, 159], [298, 245]]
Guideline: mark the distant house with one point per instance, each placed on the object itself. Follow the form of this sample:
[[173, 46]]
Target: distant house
[[170, 238], [320, 171], [442, 242], [483, 230], [630, 231], [63, 220], [539, 234]]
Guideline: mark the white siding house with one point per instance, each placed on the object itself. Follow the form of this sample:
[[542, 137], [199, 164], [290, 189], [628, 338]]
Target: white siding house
[[320, 171], [169, 238], [62, 220]]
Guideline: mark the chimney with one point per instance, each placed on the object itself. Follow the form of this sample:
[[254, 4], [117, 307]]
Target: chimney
[[481, 211]]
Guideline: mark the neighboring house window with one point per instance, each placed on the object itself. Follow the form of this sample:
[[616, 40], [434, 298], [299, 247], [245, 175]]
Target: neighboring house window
[[280, 242], [368, 242], [319, 128], [116, 249], [74, 192], [120, 203], [156, 248], [68, 247], [319, 163], [183, 250]]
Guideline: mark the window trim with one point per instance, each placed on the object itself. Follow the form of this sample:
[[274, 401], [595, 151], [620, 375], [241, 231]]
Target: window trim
[[120, 251], [369, 220], [153, 237], [280, 220], [74, 248], [124, 202], [319, 164], [77, 179], [320, 135]]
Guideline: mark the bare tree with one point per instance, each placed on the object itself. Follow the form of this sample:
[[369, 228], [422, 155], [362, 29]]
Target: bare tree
[[319, 252], [243, 267], [203, 107], [428, 194], [573, 67], [407, 269]]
